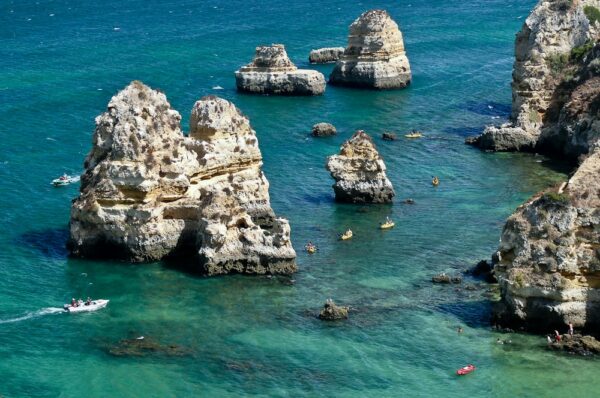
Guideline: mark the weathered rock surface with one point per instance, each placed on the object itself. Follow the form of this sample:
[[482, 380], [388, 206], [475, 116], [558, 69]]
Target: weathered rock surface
[[148, 192], [325, 55], [577, 344], [548, 262], [359, 172], [444, 278], [272, 72], [375, 56], [323, 130], [333, 312], [545, 48]]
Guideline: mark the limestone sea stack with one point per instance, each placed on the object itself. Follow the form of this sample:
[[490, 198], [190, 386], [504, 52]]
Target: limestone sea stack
[[272, 72], [148, 192], [548, 262], [375, 56], [325, 55], [550, 42], [359, 172]]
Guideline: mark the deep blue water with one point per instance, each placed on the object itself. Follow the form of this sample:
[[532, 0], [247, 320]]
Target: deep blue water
[[61, 61]]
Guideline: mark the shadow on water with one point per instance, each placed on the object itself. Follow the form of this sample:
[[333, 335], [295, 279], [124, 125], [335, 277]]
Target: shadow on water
[[464, 131], [51, 242], [475, 314]]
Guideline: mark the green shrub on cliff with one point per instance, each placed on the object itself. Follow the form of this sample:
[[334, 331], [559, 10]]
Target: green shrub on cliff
[[557, 63], [555, 197], [577, 53], [592, 14]]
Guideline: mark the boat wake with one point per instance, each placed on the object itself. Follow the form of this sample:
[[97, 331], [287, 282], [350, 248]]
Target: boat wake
[[34, 314]]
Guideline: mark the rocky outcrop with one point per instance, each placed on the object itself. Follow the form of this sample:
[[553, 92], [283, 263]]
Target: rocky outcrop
[[148, 192], [359, 172], [547, 57], [548, 262], [323, 130], [272, 72], [325, 55], [375, 56], [577, 345], [333, 312]]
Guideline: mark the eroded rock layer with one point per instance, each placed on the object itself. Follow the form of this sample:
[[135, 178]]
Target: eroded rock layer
[[375, 56], [359, 172], [272, 72], [148, 192], [547, 55], [325, 55], [548, 262]]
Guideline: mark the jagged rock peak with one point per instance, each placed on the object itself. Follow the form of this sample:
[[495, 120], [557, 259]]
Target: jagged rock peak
[[375, 56], [148, 192], [272, 72], [359, 172], [273, 57]]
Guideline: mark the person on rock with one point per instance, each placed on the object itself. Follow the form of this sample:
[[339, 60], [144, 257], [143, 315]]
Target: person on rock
[[557, 336], [571, 331]]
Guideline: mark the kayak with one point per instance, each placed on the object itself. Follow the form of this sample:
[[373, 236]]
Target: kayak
[[93, 306], [435, 182], [387, 225], [347, 235], [414, 135], [311, 249], [465, 370], [64, 180]]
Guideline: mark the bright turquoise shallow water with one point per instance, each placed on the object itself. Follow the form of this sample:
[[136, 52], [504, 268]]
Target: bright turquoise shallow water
[[253, 336]]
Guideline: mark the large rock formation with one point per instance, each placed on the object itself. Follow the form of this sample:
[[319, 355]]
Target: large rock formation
[[325, 55], [375, 56], [148, 192], [547, 52], [272, 72], [548, 262], [359, 172]]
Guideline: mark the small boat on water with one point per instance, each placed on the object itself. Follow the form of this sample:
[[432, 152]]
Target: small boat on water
[[64, 180], [310, 248], [95, 305], [414, 134], [388, 224], [346, 235], [435, 181], [465, 370]]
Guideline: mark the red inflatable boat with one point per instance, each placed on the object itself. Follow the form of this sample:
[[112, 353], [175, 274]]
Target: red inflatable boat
[[465, 370]]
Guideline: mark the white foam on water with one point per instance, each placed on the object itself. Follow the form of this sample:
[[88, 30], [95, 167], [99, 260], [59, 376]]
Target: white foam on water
[[34, 314], [217, 88]]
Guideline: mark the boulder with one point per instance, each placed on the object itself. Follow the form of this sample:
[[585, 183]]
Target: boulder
[[359, 172], [375, 56], [325, 55], [149, 193], [577, 344], [389, 136], [323, 130], [333, 312], [272, 72]]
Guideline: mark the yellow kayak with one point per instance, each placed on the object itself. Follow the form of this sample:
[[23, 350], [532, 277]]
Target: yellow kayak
[[311, 249], [387, 225], [415, 134], [435, 182], [347, 235]]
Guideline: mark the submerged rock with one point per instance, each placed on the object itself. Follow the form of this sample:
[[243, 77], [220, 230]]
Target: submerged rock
[[444, 278], [548, 56], [272, 72], [375, 56], [148, 192], [548, 262], [333, 312], [389, 136], [325, 55], [323, 130], [143, 346], [359, 172]]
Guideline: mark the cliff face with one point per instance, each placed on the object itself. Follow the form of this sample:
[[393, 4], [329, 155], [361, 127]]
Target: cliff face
[[359, 172], [272, 72], [546, 56], [375, 56], [548, 262], [148, 192]]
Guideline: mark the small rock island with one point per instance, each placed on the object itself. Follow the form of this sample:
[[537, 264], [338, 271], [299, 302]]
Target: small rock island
[[325, 55], [272, 72], [149, 192], [359, 172], [375, 56]]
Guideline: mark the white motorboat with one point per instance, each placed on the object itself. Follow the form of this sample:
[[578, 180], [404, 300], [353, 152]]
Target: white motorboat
[[64, 180], [95, 305]]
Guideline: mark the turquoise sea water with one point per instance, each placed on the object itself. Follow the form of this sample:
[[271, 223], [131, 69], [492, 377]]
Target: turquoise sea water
[[254, 336]]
